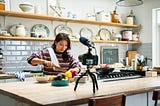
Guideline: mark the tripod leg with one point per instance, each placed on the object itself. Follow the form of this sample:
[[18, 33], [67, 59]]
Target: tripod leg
[[95, 80], [78, 81]]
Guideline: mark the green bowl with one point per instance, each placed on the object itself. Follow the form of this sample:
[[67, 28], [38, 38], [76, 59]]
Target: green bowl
[[60, 82]]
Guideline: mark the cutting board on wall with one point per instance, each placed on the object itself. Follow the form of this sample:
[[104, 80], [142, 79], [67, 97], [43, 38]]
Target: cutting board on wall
[[131, 55]]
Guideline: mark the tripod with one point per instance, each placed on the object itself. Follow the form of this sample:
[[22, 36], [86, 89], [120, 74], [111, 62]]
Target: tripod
[[93, 77]]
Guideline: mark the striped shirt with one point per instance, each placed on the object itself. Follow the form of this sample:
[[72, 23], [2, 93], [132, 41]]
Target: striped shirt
[[65, 64]]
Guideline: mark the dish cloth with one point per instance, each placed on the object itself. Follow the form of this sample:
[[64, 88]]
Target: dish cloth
[[18, 74]]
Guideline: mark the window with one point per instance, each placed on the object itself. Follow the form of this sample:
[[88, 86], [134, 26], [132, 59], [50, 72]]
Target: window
[[155, 37]]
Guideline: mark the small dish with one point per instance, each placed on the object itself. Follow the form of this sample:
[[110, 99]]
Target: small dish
[[86, 32], [63, 29], [40, 30], [42, 79], [82, 80], [104, 34]]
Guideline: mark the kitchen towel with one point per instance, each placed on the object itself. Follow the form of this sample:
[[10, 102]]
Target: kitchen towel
[[53, 56], [20, 75]]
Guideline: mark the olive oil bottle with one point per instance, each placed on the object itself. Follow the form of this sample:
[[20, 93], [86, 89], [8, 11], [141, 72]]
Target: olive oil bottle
[[131, 18], [2, 5], [114, 16]]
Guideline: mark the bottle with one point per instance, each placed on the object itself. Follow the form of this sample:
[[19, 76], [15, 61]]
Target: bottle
[[114, 16], [131, 18], [2, 5], [1, 54]]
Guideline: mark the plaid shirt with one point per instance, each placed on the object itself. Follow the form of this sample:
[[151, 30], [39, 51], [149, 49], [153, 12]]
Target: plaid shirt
[[65, 64]]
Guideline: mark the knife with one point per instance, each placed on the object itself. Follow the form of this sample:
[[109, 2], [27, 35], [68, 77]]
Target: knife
[[57, 68]]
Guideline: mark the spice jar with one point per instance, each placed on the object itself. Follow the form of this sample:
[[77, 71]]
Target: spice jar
[[2, 5]]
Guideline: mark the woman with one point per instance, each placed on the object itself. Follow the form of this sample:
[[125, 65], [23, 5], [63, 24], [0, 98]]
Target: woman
[[56, 59]]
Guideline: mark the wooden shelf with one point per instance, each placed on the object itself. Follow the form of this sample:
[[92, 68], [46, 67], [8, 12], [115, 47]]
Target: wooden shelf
[[73, 40], [52, 18]]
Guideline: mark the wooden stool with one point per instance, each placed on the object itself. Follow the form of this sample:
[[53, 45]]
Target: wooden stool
[[156, 96], [112, 100]]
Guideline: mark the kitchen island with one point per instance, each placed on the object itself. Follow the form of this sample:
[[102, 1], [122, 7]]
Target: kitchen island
[[31, 93]]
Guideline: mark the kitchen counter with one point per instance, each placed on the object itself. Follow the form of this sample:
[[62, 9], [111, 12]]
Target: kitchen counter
[[7, 76], [43, 94]]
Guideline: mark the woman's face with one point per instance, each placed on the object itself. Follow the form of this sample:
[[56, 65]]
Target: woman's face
[[61, 46]]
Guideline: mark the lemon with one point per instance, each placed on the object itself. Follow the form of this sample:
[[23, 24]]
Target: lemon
[[52, 77], [68, 74]]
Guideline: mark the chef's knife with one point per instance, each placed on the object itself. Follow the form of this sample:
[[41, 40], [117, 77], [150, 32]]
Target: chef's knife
[[57, 68]]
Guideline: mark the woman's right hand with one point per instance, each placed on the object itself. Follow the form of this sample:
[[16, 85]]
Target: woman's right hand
[[49, 63]]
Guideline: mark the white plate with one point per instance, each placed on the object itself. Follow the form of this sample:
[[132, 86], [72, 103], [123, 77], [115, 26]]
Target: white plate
[[40, 30], [104, 34], [63, 29], [86, 32]]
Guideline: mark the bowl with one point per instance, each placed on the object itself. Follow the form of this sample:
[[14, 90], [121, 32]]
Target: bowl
[[60, 82], [42, 79], [82, 80], [26, 7]]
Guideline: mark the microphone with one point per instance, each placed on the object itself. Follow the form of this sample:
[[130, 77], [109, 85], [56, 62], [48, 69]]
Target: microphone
[[86, 42]]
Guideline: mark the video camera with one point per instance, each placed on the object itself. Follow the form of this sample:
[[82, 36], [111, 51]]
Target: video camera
[[88, 58]]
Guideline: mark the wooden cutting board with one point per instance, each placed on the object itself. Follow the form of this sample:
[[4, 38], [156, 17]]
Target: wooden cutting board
[[157, 69], [131, 55]]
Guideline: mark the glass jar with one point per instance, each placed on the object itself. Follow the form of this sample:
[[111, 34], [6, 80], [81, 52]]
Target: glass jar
[[2, 5]]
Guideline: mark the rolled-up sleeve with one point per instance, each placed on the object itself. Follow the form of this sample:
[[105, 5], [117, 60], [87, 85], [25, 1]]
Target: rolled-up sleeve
[[74, 63], [43, 54]]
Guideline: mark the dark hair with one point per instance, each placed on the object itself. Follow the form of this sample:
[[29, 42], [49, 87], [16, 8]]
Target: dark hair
[[60, 37]]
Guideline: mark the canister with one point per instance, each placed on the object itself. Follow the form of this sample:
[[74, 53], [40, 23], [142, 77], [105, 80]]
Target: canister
[[102, 16], [127, 35]]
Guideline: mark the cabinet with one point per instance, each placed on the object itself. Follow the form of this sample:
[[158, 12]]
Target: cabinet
[[61, 19]]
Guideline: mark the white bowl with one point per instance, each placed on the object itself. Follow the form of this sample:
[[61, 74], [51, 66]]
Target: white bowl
[[26, 7], [42, 79], [82, 80]]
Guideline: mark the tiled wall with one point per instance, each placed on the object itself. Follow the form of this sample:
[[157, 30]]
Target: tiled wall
[[16, 52], [146, 50]]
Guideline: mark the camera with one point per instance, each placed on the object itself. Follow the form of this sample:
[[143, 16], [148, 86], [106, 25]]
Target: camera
[[88, 59]]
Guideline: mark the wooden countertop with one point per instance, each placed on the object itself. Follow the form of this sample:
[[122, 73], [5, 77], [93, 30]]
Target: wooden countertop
[[43, 94], [7, 76]]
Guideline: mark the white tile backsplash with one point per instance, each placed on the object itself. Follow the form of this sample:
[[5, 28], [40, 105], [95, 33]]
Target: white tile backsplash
[[15, 42], [20, 47], [11, 48]]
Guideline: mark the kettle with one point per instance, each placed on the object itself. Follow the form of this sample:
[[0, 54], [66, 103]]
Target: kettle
[[20, 30]]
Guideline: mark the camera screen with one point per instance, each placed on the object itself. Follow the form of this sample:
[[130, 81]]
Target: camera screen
[[89, 61]]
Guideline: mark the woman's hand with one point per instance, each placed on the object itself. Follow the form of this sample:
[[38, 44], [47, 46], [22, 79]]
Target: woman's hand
[[49, 64]]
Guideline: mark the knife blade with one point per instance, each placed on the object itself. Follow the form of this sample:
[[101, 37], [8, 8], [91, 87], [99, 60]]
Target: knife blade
[[56, 68], [59, 69]]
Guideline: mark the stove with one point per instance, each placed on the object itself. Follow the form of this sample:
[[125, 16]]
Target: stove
[[106, 75]]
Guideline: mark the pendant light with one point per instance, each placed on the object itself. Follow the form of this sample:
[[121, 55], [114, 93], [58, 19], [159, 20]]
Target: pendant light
[[129, 3]]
